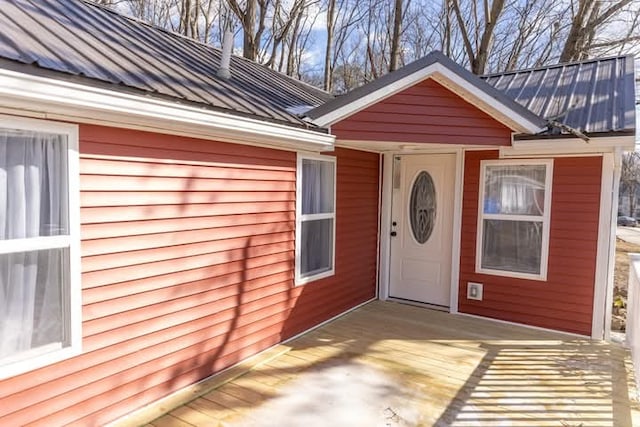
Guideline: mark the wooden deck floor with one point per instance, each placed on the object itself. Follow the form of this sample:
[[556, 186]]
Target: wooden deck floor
[[388, 364]]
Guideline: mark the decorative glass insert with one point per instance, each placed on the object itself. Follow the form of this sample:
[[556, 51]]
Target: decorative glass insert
[[422, 207]]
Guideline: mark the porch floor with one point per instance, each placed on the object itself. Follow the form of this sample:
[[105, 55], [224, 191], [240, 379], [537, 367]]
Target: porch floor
[[388, 364]]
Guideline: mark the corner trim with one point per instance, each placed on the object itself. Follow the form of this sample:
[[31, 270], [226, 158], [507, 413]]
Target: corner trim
[[599, 330], [385, 226], [457, 232], [613, 214]]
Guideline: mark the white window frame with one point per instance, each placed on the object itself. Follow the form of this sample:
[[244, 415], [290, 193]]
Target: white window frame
[[300, 218], [546, 218], [72, 304]]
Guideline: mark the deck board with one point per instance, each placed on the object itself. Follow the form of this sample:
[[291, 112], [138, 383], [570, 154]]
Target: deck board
[[419, 367]]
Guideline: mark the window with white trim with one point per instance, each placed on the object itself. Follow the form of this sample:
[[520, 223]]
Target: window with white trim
[[39, 279], [513, 220], [315, 217]]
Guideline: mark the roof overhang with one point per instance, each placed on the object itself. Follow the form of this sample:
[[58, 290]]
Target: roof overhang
[[569, 146], [55, 99], [448, 74]]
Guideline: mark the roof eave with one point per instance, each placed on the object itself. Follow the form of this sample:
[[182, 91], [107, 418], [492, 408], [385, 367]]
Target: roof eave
[[598, 142], [64, 100]]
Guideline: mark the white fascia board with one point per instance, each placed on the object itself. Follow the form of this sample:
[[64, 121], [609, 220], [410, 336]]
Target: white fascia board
[[447, 78], [568, 146], [56, 98]]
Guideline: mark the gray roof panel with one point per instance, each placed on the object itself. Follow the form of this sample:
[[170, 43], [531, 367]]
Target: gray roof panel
[[593, 97], [79, 38]]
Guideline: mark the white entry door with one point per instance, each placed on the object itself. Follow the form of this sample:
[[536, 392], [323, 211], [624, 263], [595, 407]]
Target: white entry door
[[422, 228]]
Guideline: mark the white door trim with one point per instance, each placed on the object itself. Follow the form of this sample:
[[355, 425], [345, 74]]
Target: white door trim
[[457, 231], [385, 226]]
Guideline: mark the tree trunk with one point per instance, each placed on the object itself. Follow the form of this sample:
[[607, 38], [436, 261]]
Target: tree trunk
[[249, 48], [395, 40], [584, 27], [479, 63], [328, 69]]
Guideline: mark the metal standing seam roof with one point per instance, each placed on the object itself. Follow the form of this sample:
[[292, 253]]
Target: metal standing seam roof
[[92, 43], [594, 96]]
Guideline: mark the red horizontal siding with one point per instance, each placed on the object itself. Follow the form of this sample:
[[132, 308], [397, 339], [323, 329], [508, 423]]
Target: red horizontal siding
[[187, 268], [425, 113], [565, 300]]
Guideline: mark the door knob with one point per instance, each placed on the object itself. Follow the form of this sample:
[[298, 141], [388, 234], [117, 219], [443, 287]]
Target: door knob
[[393, 234]]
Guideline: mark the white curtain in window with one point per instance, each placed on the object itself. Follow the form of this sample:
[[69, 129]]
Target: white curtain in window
[[317, 246], [316, 251], [33, 203], [317, 186], [515, 190]]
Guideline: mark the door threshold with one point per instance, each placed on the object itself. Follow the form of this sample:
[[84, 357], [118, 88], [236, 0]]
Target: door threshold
[[436, 307]]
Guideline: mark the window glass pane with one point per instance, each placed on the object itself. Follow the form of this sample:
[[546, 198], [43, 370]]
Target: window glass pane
[[316, 254], [514, 189], [514, 246], [33, 185], [32, 313], [317, 186]]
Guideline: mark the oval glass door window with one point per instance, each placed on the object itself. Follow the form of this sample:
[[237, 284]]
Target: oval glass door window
[[422, 207]]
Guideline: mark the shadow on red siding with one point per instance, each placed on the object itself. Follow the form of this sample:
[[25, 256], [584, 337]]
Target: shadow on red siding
[[188, 259]]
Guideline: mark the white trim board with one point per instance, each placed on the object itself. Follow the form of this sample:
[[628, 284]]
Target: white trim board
[[567, 146], [603, 263], [385, 226], [528, 148], [457, 232], [379, 236], [407, 147], [446, 78], [56, 99], [608, 302]]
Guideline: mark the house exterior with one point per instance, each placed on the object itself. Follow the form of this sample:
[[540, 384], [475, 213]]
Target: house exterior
[[159, 223]]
